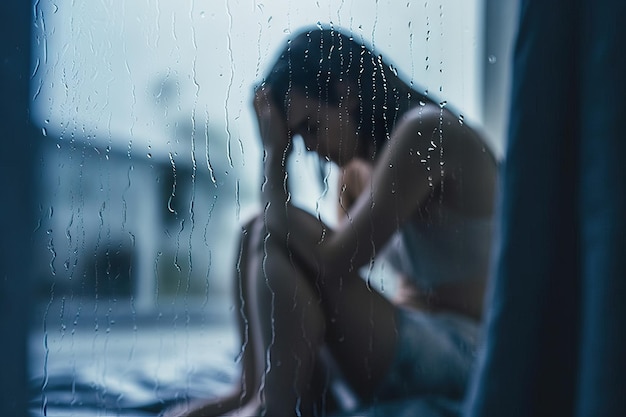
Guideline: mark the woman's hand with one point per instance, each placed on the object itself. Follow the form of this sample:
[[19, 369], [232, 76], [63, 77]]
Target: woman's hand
[[354, 179], [276, 142], [273, 129]]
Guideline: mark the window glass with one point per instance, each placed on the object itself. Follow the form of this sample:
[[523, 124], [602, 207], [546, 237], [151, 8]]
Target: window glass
[[150, 163]]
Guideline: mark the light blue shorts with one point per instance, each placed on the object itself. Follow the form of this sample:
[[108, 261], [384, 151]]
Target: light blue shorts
[[435, 354]]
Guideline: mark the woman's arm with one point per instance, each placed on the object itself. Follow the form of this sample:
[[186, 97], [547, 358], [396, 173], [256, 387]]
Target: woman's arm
[[407, 173], [284, 221], [404, 176]]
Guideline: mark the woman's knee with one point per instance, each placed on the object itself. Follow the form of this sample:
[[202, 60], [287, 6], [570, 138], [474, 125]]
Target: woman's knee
[[272, 271]]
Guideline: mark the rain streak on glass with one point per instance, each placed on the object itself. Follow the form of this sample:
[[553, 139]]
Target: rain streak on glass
[[151, 167]]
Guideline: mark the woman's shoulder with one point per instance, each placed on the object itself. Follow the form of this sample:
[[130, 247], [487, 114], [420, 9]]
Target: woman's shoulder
[[437, 117], [428, 127], [437, 125], [432, 135]]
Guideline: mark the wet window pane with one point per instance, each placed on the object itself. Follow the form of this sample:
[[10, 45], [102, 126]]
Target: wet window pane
[[151, 162]]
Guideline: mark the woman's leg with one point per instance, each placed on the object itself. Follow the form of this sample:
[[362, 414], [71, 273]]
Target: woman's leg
[[360, 332], [244, 393], [281, 329], [300, 312], [289, 325], [286, 316]]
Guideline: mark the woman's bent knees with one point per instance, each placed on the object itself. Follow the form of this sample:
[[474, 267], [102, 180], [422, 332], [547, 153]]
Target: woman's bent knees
[[287, 325]]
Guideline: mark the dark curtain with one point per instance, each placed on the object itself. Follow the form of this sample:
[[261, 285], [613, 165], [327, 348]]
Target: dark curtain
[[555, 340], [17, 163]]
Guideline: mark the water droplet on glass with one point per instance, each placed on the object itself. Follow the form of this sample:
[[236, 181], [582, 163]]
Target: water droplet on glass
[[149, 155], [202, 15], [461, 119], [287, 31], [443, 104], [492, 59], [44, 131]]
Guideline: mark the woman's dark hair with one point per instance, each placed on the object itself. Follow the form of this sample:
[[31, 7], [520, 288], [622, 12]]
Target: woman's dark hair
[[317, 58]]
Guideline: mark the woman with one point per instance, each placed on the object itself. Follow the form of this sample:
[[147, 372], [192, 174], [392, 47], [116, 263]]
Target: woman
[[417, 187]]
